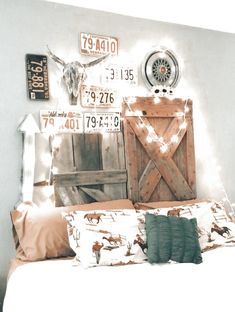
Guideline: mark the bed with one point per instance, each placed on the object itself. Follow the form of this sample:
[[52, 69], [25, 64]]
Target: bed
[[142, 244], [56, 285]]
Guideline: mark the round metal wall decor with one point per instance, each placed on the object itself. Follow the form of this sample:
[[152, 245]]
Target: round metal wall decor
[[161, 68]]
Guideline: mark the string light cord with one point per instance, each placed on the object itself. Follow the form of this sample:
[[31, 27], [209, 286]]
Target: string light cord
[[152, 135]]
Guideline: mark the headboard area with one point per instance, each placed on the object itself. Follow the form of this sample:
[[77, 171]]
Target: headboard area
[[151, 159]]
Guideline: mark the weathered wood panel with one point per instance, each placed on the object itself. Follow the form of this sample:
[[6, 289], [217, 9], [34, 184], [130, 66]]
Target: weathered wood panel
[[148, 181], [92, 177], [113, 157], [89, 167], [63, 161], [164, 108], [190, 158], [131, 162], [87, 151], [67, 196], [169, 175], [96, 194]]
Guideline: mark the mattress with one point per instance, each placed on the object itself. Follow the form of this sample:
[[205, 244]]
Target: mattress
[[57, 285]]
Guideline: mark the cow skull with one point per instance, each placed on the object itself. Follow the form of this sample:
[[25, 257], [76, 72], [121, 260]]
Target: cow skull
[[74, 74]]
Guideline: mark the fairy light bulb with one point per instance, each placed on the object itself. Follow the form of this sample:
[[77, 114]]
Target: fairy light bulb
[[164, 148], [161, 139], [183, 125], [156, 100], [138, 113], [174, 138], [150, 129], [149, 139], [180, 114]]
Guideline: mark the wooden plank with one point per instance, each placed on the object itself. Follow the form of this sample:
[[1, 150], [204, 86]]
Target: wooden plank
[[97, 195], [86, 150], [90, 177], [148, 181], [62, 160], [172, 130], [63, 194], [190, 158], [113, 157], [162, 192], [131, 162], [83, 198], [148, 107], [174, 178], [179, 157], [113, 145]]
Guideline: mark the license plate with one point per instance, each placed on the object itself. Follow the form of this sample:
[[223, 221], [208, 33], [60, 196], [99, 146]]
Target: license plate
[[37, 77]]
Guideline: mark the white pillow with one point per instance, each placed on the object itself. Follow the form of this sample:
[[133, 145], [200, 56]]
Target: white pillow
[[214, 227], [103, 237]]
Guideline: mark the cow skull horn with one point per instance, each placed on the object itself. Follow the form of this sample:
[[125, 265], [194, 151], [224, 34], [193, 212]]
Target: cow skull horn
[[97, 61], [74, 74], [55, 58]]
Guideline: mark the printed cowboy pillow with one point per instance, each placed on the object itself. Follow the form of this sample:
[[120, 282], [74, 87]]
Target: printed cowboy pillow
[[214, 227], [104, 237]]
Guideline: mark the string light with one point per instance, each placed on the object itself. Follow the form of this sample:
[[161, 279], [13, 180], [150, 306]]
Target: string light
[[152, 135], [180, 114], [164, 148], [174, 138], [229, 207]]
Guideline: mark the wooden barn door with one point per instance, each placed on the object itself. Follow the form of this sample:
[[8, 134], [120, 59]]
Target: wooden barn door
[[154, 175], [88, 167]]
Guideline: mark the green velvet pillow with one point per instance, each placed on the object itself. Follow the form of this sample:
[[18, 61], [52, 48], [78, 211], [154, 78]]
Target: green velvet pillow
[[172, 238]]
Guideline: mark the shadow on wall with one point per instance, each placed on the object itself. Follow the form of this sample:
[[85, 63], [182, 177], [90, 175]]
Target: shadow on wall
[[2, 292], [3, 283]]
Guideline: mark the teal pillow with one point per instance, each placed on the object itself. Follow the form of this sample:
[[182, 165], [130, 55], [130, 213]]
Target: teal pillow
[[172, 238]]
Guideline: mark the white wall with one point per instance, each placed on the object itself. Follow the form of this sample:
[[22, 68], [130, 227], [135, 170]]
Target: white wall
[[208, 78]]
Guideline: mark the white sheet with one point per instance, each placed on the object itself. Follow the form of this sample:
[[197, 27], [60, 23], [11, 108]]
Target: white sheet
[[57, 286]]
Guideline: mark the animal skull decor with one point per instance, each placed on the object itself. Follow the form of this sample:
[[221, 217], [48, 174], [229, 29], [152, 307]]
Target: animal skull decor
[[74, 74]]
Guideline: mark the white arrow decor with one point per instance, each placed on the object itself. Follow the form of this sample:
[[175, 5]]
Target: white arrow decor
[[28, 127]]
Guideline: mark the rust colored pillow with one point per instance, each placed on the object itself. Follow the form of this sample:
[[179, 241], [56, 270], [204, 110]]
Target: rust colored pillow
[[107, 205], [41, 233]]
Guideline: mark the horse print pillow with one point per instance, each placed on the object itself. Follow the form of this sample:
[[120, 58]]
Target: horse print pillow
[[215, 229], [103, 237]]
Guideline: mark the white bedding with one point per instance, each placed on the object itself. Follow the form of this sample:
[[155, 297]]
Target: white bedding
[[57, 286]]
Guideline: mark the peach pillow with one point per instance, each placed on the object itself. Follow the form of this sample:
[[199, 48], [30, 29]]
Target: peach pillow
[[41, 233], [107, 205]]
